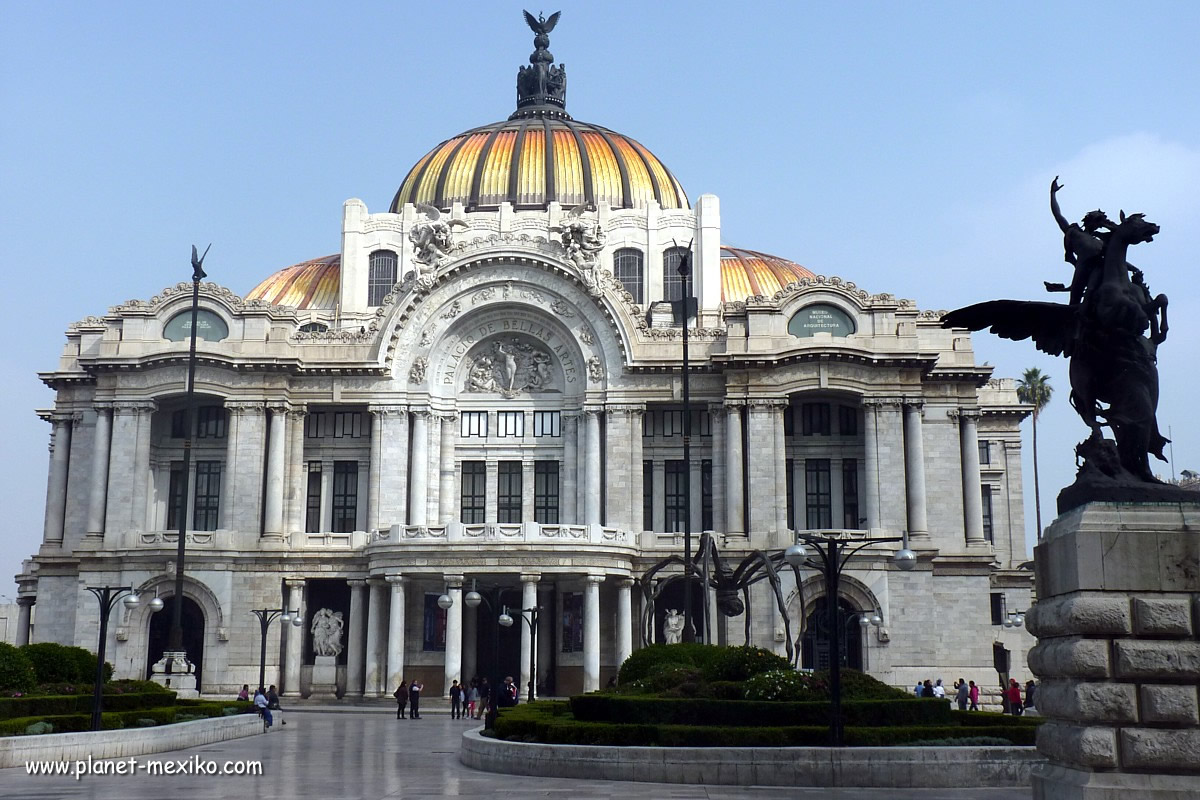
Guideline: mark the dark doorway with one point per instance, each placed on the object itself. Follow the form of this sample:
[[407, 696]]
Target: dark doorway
[[814, 644], [671, 597], [192, 621], [497, 648]]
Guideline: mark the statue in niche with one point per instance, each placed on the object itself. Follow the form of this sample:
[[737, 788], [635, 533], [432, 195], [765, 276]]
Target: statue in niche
[[673, 626], [432, 239], [326, 630], [509, 368], [582, 243]]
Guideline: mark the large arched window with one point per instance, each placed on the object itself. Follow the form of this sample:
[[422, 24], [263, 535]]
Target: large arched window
[[672, 281], [627, 267], [382, 276]]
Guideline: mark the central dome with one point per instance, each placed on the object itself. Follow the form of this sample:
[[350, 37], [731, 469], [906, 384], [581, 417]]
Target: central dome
[[533, 160]]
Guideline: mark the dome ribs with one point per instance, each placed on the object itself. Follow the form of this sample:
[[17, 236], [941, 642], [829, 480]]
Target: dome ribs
[[548, 147], [589, 194], [640, 152], [477, 178], [448, 165], [626, 193], [514, 169]]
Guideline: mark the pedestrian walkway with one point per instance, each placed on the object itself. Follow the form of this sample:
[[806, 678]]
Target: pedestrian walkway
[[360, 756]]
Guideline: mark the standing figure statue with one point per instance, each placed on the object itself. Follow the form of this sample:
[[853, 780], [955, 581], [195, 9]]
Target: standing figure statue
[[673, 626], [326, 630]]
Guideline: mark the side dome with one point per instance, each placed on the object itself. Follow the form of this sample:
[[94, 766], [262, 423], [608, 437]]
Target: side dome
[[535, 159], [309, 285], [745, 273]]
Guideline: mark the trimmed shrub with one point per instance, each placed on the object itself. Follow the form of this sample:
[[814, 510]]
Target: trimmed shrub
[[146, 722], [966, 741], [985, 719], [16, 670], [725, 690], [81, 703], [58, 663], [735, 713], [861, 686], [786, 685], [742, 663], [649, 660], [38, 728]]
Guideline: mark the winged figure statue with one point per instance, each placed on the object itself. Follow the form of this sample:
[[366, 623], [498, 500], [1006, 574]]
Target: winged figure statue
[[540, 25]]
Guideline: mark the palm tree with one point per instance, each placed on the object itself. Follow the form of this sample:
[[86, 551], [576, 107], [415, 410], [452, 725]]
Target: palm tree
[[1034, 388]]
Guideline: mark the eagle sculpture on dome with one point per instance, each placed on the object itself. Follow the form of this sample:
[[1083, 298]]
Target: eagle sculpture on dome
[[540, 25]]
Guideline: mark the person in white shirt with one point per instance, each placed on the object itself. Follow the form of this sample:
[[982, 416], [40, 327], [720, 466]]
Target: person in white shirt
[[938, 689]]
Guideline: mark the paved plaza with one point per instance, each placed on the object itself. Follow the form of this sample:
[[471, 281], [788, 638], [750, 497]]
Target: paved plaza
[[349, 755]]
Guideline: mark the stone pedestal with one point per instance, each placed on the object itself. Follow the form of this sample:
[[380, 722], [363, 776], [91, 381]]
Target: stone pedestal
[[1118, 653], [324, 677], [175, 672]]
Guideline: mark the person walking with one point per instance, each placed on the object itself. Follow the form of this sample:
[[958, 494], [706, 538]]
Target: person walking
[[1030, 688], [414, 698], [918, 690], [962, 694], [927, 689], [939, 691], [1014, 697], [473, 698], [401, 695], [273, 704], [973, 695], [485, 698], [456, 694]]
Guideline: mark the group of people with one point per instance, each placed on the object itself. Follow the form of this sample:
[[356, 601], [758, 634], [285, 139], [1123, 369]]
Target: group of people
[[466, 702], [266, 703], [966, 694]]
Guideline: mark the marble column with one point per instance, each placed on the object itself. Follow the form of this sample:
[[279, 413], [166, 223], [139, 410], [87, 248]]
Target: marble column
[[782, 523], [98, 489], [529, 585], [393, 466], [454, 632], [735, 516], [373, 470], [24, 606], [762, 467], [636, 477], [419, 475], [355, 653], [545, 622], [570, 472], [446, 473], [528, 476], [297, 472], [972, 486], [377, 601], [591, 633], [716, 413], [470, 638], [395, 655], [247, 450], [624, 635], [128, 486], [294, 638], [870, 486], [229, 471], [914, 471], [276, 444], [658, 496], [618, 467], [140, 474], [591, 513]]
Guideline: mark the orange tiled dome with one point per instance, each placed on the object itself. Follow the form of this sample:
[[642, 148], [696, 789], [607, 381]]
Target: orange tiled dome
[[745, 273], [311, 284]]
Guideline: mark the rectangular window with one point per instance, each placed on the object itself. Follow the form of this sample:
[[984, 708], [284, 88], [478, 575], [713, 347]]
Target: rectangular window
[[546, 423], [345, 496], [474, 492], [207, 504], [545, 492], [789, 421], [473, 423], [847, 421], [508, 492], [672, 280], [314, 425], [435, 625], [178, 483], [790, 478], [706, 495], [817, 495], [572, 622], [997, 608], [850, 494], [510, 423], [178, 428], [985, 455], [648, 495], [815, 418], [210, 423], [347, 424], [676, 501], [701, 423], [988, 532], [381, 276], [627, 268], [672, 423], [312, 505], [648, 424]]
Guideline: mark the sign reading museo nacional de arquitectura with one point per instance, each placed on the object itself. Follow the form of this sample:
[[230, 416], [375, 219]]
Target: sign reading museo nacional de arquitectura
[[481, 391]]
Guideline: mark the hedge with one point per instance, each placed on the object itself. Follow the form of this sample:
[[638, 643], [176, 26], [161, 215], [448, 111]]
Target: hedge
[[50, 705], [16, 670], [737, 713], [698, 662], [115, 720], [58, 663], [981, 719]]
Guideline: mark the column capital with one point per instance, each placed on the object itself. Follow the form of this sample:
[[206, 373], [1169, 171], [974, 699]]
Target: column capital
[[375, 582], [916, 404], [592, 412], [571, 415], [422, 412], [734, 404], [294, 583], [625, 408], [761, 404], [965, 414], [245, 406], [279, 406], [298, 411], [594, 578], [396, 580], [884, 402], [623, 582], [356, 583], [133, 406], [530, 577], [448, 417], [100, 406], [26, 600], [387, 411], [453, 581]]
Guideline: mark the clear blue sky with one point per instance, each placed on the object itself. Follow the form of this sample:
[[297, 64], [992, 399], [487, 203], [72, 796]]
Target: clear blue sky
[[905, 146]]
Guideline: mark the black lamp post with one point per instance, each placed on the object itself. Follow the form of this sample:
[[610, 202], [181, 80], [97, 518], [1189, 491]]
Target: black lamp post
[[687, 309], [473, 599], [529, 615], [265, 617], [108, 597], [834, 554]]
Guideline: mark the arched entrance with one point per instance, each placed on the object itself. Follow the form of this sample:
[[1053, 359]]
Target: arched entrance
[[814, 644], [671, 597], [192, 621]]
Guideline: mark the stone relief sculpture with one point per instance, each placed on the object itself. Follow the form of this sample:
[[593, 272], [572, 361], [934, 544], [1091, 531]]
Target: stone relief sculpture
[[673, 626], [326, 630], [417, 373], [509, 368], [595, 369], [582, 243], [432, 239]]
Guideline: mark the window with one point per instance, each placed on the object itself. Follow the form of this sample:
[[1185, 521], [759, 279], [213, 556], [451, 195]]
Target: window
[[648, 425], [210, 423], [701, 423], [672, 281], [627, 268], [508, 492], [510, 423], [546, 423], [345, 496], [312, 504], [850, 494], [178, 425], [435, 625], [672, 422], [381, 276], [789, 421], [474, 492], [706, 495], [572, 622], [676, 500], [648, 495], [314, 327], [347, 424], [847, 421], [815, 419], [988, 532], [474, 423], [818, 500], [207, 504], [314, 425], [175, 490], [997, 608], [790, 478], [985, 455], [545, 492]]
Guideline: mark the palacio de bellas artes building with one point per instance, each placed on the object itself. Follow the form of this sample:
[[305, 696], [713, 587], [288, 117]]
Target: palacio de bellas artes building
[[482, 390]]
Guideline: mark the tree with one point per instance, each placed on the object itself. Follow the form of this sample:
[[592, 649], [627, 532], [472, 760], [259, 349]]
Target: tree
[[1034, 388]]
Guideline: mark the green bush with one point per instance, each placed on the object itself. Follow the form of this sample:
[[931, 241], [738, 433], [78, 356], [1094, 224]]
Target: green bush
[[735, 713], [650, 660], [81, 703], [984, 719], [966, 741], [58, 663], [742, 663], [146, 722], [38, 728], [861, 686], [16, 671], [786, 685], [725, 690]]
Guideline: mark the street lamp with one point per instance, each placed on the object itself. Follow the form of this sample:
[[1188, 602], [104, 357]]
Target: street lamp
[[833, 554], [108, 597], [529, 615], [685, 307], [265, 617], [473, 599]]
